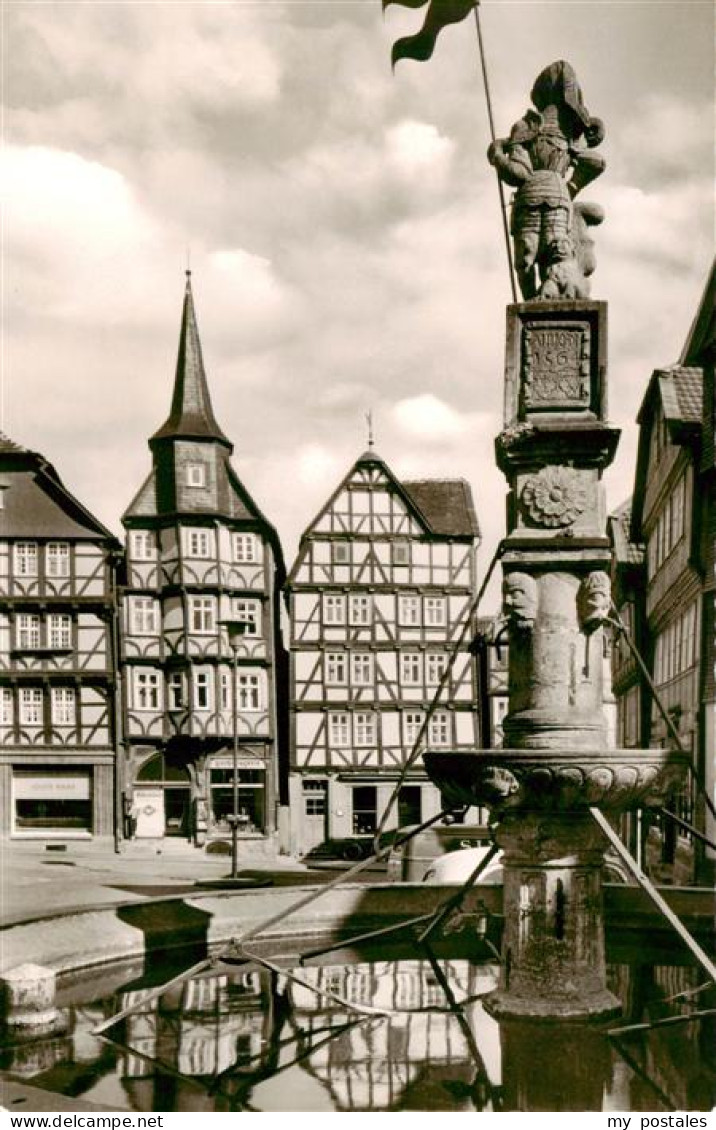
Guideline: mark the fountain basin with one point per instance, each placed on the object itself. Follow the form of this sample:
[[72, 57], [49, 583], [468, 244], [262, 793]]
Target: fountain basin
[[554, 780]]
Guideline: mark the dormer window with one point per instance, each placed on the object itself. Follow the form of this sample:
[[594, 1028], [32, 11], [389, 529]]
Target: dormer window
[[196, 474]]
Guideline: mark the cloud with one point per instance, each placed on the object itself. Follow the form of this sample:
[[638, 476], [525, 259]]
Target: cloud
[[428, 418]]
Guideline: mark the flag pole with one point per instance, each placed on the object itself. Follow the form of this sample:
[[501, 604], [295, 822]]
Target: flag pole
[[500, 188]]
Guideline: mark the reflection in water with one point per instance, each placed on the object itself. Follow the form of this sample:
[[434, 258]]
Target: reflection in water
[[253, 1039]]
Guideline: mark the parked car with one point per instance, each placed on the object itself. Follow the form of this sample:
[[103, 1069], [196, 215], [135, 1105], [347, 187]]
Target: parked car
[[409, 862], [457, 867]]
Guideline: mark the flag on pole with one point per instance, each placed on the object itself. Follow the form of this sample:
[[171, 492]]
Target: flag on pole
[[440, 13]]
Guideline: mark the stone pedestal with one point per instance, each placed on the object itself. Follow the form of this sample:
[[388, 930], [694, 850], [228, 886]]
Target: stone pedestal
[[553, 942], [28, 1002], [553, 1067]]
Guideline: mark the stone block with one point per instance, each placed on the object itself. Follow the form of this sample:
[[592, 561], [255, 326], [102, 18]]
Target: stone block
[[28, 1001]]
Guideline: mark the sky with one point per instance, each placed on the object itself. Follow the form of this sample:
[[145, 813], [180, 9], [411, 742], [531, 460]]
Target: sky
[[342, 226]]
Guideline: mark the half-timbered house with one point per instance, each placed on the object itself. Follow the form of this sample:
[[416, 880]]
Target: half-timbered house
[[200, 553], [57, 656], [674, 515], [379, 594]]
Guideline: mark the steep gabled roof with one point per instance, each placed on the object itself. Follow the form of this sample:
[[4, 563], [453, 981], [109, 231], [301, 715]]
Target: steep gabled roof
[[191, 415], [36, 503], [626, 551], [446, 504]]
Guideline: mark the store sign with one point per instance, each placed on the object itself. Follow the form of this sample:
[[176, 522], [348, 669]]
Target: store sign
[[40, 786], [242, 763]]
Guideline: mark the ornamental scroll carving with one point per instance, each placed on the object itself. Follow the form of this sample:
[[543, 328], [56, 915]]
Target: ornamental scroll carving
[[556, 366], [554, 497]]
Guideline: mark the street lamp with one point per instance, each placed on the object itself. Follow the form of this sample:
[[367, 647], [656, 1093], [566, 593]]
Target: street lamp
[[235, 629]]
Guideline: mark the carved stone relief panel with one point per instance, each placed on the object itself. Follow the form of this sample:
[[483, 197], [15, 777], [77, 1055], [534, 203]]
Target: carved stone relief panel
[[556, 366]]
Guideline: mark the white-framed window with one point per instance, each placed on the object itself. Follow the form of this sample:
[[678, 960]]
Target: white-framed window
[[435, 611], [63, 704], [225, 690], [250, 691], [364, 727], [202, 690], [143, 545], [340, 553], [360, 610], [31, 706], [26, 558], [250, 612], [59, 630], [339, 730], [413, 721], [147, 689], [175, 690], [144, 615], [196, 474], [202, 614], [245, 547], [411, 668], [409, 611], [199, 543], [28, 631], [6, 706], [669, 527], [435, 664], [439, 728], [400, 552], [334, 608], [336, 668], [57, 559], [361, 668]]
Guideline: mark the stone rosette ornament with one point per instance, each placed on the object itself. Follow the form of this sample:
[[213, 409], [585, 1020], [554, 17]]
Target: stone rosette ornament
[[553, 497]]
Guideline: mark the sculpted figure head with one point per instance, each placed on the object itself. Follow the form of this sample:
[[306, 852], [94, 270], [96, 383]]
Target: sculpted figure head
[[594, 600], [519, 600]]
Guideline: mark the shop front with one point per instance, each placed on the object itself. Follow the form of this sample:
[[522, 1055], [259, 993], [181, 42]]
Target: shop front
[[60, 800]]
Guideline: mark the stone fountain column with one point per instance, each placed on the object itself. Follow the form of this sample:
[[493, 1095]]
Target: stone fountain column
[[555, 444]]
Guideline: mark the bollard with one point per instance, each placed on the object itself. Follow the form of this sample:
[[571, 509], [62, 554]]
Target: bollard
[[29, 1011]]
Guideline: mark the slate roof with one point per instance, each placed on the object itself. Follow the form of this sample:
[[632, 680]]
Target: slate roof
[[446, 505], [191, 415], [681, 390], [626, 551]]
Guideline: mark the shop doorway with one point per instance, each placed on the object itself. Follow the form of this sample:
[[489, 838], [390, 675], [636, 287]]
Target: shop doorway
[[162, 800], [315, 813]]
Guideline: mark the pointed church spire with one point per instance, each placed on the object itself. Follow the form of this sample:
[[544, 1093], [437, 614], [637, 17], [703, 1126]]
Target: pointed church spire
[[191, 415]]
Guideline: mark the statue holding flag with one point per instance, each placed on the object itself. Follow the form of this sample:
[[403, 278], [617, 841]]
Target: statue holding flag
[[549, 157]]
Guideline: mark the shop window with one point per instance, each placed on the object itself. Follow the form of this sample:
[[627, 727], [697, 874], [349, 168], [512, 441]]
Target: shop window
[[57, 559], [251, 799], [158, 768], [365, 810], [51, 799]]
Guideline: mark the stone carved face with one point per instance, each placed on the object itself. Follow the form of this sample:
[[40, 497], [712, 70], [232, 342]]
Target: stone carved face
[[519, 600], [594, 600]]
